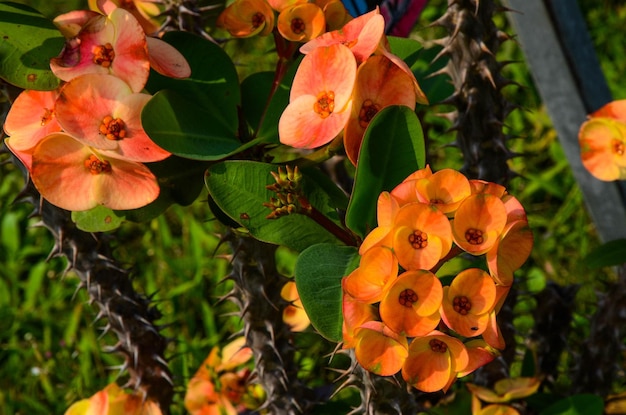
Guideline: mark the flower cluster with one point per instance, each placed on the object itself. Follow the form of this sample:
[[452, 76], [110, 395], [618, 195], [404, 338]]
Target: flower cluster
[[220, 386], [602, 141], [295, 20], [112, 400], [83, 144], [397, 313], [345, 78]]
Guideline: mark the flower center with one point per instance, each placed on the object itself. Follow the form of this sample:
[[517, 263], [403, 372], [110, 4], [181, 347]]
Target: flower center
[[618, 147], [461, 305], [418, 239], [97, 166], [474, 236], [103, 55], [46, 117], [112, 128], [438, 346], [325, 104], [407, 298], [297, 25], [258, 19], [367, 112]]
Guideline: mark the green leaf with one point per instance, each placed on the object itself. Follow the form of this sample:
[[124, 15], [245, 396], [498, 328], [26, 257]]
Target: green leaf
[[319, 271], [186, 129], [28, 41], [392, 149], [213, 84], [238, 189], [98, 219], [583, 404], [610, 254]]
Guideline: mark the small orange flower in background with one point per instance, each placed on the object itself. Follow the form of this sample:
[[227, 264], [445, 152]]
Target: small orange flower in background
[[505, 390], [602, 140], [294, 314], [379, 349], [434, 361], [377, 270], [320, 98], [411, 304], [113, 400], [379, 84], [219, 387], [421, 236], [301, 22], [246, 18], [468, 301], [478, 223], [335, 13]]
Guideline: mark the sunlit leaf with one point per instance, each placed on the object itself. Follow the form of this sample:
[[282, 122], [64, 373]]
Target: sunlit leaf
[[98, 219]]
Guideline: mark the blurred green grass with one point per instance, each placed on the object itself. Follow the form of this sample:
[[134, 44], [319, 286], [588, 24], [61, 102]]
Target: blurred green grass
[[49, 346]]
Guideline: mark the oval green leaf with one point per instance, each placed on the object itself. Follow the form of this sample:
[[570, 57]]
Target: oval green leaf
[[28, 41], [392, 148], [98, 219], [319, 270], [238, 189]]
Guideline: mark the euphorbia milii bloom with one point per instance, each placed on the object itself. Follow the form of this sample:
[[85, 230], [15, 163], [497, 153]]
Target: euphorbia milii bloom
[[406, 192], [112, 400], [511, 250], [76, 177], [434, 361], [379, 84], [506, 390], [301, 22], [387, 207], [480, 353], [468, 301], [246, 18], [145, 11], [320, 98], [355, 314], [335, 13], [380, 350], [603, 148], [114, 44], [421, 236], [362, 35], [478, 223], [30, 119], [445, 189], [377, 270], [411, 305], [294, 314], [103, 112]]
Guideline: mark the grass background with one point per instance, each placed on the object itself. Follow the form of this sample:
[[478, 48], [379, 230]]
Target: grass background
[[50, 348]]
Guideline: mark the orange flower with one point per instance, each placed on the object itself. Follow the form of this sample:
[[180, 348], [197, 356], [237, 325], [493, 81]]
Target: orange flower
[[434, 361], [480, 353], [335, 14], [506, 390], [320, 98], [114, 44], [468, 301], [478, 223], [445, 189], [510, 251], [75, 177], [103, 112], [421, 237], [603, 148], [246, 18], [379, 84], [145, 11], [362, 35], [29, 120], [112, 400], [386, 210], [377, 270], [406, 191], [411, 305], [355, 314], [301, 22], [294, 314], [492, 334], [482, 186], [380, 350]]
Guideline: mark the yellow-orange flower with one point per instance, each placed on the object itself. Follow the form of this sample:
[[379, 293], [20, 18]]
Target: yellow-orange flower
[[406, 192], [335, 13], [113, 400], [387, 207], [421, 236], [301, 22], [320, 98], [411, 304], [506, 390], [510, 251], [479, 222], [445, 189], [603, 142], [468, 301], [294, 314], [355, 314], [377, 270], [434, 361], [246, 18], [480, 353], [379, 349]]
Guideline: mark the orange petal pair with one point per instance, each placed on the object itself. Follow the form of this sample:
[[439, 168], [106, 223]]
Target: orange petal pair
[[112, 400]]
